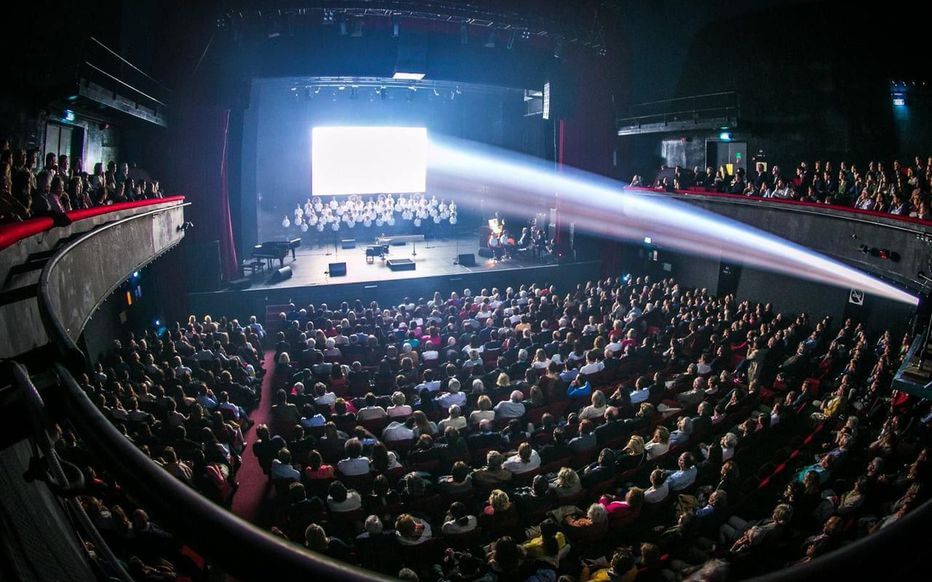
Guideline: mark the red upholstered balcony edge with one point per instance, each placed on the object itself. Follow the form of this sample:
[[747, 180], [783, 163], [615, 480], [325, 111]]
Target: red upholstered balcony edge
[[848, 209], [17, 231]]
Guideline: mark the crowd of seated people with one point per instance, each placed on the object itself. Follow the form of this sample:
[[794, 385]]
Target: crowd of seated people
[[897, 188], [62, 185], [628, 429], [183, 398]]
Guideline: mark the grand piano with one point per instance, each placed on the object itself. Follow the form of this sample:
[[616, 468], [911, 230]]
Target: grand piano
[[279, 249]]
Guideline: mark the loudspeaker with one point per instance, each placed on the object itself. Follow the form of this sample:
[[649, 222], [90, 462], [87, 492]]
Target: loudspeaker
[[485, 252], [279, 275], [348, 243], [467, 260], [337, 269], [240, 284]]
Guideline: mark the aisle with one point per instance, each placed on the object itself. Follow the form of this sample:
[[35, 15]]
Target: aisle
[[253, 484]]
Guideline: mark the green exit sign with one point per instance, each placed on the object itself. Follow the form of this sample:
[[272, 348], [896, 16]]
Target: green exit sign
[[738, 156]]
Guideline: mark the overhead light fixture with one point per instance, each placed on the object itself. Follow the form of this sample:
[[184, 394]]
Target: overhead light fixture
[[404, 76], [725, 136], [545, 110], [68, 115]]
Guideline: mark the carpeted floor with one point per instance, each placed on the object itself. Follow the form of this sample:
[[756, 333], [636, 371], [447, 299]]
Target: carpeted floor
[[249, 501]]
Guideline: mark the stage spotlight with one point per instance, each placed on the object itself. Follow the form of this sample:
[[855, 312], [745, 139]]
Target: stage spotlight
[[316, 90], [511, 41], [558, 49], [396, 30], [436, 92]]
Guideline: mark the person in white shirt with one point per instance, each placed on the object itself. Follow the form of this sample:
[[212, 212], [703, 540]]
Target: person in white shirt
[[398, 407], [512, 408], [454, 420], [429, 383], [593, 365], [399, 431], [525, 461], [458, 520], [453, 396], [484, 412], [323, 396], [596, 409], [659, 488], [658, 445], [354, 464], [340, 499], [371, 410]]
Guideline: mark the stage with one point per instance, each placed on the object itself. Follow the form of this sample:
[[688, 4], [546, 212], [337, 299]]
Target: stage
[[431, 258], [436, 269]]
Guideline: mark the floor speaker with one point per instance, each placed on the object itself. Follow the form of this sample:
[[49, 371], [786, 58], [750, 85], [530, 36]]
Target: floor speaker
[[279, 275], [337, 269], [348, 243], [467, 260], [485, 252]]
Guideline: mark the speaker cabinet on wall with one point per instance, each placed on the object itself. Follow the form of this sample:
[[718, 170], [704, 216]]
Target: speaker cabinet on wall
[[337, 269], [280, 275]]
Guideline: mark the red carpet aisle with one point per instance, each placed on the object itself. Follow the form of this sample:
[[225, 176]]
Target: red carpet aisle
[[253, 484]]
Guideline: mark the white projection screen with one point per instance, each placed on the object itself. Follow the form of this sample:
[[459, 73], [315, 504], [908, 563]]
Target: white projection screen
[[368, 160]]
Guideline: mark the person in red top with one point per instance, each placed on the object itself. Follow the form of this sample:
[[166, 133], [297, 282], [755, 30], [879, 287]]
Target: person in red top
[[623, 512]]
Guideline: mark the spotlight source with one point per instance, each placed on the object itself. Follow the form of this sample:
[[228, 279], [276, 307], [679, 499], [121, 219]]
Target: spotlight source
[[408, 76]]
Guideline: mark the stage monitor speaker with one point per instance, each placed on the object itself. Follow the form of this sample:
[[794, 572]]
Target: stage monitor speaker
[[467, 260], [337, 269], [485, 252], [279, 275], [348, 243], [401, 264], [240, 284]]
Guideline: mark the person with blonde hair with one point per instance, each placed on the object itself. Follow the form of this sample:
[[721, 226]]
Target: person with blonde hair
[[398, 407], [633, 454], [567, 483], [483, 412], [596, 409], [499, 514]]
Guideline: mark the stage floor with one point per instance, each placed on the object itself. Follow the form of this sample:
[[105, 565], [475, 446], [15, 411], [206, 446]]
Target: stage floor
[[436, 257]]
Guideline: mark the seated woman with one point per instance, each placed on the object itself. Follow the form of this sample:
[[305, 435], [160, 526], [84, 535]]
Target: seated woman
[[500, 515], [343, 500], [484, 411], [458, 482], [398, 407], [659, 444], [525, 461], [623, 512], [458, 520], [600, 471], [412, 531], [549, 547], [589, 527], [632, 455], [539, 499], [566, 484], [317, 540], [597, 407], [659, 489]]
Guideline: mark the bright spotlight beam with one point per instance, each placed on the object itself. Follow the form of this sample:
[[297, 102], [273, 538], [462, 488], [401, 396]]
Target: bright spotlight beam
[[470, 172]]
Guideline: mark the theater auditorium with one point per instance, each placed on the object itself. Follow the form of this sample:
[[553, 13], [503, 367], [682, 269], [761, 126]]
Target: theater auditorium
[[465, 291]]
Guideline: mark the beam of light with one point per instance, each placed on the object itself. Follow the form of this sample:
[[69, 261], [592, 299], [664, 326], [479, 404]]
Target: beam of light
[[472, 173]]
